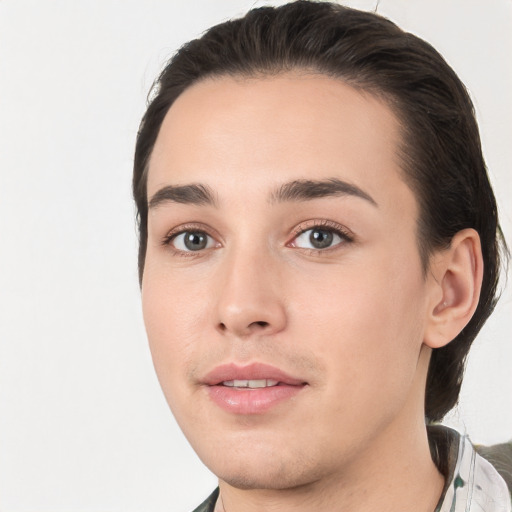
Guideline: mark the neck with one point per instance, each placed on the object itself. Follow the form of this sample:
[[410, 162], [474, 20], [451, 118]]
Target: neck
[[395, 472]]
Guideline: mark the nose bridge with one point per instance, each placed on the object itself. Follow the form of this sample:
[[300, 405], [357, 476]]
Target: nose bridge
[[250, 296]]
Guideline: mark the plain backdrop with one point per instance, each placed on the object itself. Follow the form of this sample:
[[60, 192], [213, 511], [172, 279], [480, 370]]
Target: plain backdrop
[[83, 423]]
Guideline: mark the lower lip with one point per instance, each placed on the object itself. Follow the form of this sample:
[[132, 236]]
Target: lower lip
[[251, 401]]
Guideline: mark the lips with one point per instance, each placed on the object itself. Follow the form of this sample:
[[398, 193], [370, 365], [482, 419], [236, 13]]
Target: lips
[[252, 389], [255, 371]]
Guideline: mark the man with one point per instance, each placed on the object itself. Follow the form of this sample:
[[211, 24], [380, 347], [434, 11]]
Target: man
[[319, 246]]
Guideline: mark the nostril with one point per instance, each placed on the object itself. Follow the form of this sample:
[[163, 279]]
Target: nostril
[[260, 324], [222, 327]]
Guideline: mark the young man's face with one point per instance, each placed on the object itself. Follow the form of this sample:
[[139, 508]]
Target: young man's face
[[283, 292]]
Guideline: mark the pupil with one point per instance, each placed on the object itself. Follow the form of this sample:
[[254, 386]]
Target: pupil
[[320, 239], [195, 241]]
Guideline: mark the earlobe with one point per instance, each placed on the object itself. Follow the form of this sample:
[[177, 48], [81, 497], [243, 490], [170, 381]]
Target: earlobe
[[454, 296]]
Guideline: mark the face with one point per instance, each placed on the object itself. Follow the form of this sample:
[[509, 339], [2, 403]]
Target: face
[[283, 292]]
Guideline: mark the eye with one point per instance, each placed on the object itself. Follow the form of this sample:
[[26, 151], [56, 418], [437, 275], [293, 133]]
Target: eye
[[317, 238], [320, 237], [191, 241]]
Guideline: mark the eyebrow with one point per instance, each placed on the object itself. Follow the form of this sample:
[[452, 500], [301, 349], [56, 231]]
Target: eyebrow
[[305, 190], [194, 193], [297, 190]]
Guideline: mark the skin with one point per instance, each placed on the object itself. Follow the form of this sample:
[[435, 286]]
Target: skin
[[355, 320]]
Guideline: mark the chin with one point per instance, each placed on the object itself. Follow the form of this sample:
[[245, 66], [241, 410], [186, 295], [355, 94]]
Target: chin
[[261, 478], [273, 471]]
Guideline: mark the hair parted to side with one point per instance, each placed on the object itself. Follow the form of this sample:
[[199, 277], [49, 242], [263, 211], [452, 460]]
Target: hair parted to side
[[440, 149]]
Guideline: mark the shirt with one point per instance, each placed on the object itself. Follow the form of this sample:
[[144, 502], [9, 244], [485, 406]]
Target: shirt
[[473, 485]]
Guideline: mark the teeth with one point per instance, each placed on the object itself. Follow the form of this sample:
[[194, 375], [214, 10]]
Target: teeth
[[253, 384]]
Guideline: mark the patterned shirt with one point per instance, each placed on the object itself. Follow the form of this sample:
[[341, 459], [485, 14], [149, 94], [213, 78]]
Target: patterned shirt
[[472, 483]]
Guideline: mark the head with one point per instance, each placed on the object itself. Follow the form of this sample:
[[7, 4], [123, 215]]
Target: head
[[433, 133]]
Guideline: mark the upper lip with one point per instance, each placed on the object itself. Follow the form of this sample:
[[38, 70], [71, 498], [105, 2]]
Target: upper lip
[[254, 371]]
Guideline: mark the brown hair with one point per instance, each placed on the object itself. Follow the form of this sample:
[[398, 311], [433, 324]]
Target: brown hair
[[441, 152]]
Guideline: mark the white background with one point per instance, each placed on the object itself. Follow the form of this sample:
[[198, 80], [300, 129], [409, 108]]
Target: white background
[[83, 424]]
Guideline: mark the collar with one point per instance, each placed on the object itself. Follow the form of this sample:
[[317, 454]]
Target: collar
[[472, 483]]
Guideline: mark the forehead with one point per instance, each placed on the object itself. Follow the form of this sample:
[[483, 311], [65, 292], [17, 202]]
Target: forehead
[[237, 134]]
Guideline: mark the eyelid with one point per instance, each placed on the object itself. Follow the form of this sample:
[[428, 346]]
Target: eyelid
[[323, 223]]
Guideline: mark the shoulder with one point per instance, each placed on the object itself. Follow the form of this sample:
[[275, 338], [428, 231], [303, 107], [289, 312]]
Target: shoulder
[[472, 483], [500, 456]]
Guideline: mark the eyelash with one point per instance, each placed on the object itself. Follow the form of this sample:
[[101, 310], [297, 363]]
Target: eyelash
[[326, 225], [184, 228]]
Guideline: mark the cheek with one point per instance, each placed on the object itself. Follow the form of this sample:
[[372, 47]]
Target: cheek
[[374, 301], [175, 312], [365, 325]]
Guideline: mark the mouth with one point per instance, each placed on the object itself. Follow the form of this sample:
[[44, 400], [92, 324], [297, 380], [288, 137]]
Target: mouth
[[250, 384], [252, 389]]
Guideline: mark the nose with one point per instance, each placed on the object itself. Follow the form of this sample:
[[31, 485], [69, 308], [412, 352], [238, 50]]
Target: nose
[[251, 297]]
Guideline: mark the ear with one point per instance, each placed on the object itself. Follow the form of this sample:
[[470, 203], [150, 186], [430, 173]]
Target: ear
[[456, 282]]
